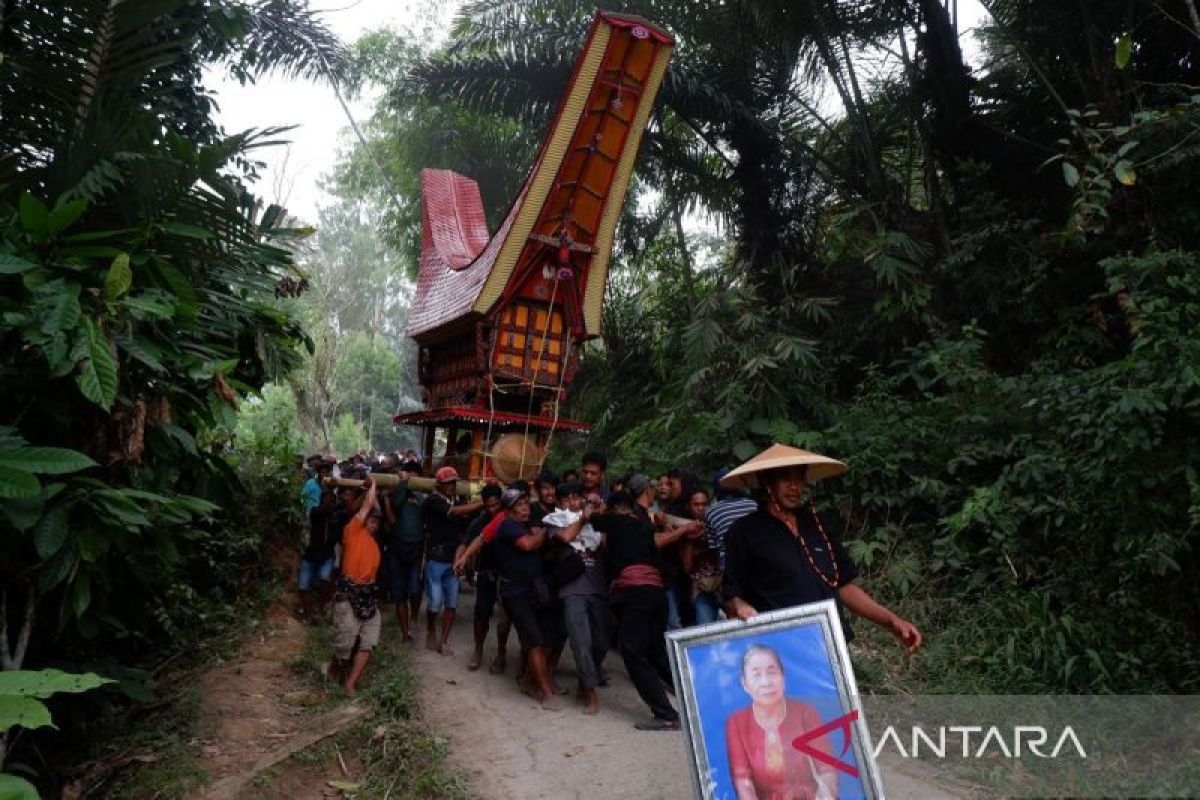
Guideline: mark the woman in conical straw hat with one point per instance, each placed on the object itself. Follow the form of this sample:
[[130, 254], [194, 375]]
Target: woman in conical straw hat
[[785, 555]]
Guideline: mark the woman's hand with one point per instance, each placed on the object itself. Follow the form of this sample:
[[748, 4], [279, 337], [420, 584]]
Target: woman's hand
[[906, 633], [740, 609]]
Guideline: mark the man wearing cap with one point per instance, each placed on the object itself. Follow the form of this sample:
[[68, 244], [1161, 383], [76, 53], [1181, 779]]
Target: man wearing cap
[[785, 555], [525, 593], [445, 526]]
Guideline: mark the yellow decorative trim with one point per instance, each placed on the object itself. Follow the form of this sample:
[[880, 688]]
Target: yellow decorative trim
[[547, 168], [593, 298]]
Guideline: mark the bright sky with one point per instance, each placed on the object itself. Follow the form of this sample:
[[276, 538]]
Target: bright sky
[[293, 174]]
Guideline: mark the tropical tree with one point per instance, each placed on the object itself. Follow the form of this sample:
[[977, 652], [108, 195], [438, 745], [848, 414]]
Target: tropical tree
[[357, 306], [138, 301]]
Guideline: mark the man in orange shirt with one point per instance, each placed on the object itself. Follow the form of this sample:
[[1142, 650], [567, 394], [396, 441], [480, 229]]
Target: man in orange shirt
[[356, 617]]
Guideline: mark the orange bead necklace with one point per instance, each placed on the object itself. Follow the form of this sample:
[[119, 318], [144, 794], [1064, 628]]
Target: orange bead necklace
[[793, 524]]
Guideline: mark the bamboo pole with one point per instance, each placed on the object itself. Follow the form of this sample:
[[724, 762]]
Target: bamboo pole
[[386, 480]]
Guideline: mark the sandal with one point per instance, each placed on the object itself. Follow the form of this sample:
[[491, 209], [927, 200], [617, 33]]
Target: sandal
[[658, 724]]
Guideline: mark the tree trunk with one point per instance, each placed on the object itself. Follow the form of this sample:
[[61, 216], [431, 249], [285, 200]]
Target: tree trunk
[[856, 111], [1191, 7], [689, 266], [12, 654], [758, 228]]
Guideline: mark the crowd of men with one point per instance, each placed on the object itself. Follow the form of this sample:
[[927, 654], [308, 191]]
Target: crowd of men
[[574, 560]]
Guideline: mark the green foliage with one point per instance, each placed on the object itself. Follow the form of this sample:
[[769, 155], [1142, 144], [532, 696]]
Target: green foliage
[[22, 691], [13, 787], [268, 426], [361, 362], [348, 435], [138, 302]]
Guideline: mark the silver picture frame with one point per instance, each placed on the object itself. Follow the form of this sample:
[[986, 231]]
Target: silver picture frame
[[798, 624]]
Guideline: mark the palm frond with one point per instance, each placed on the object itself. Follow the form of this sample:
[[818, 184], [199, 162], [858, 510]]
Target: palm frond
[[285, 36]]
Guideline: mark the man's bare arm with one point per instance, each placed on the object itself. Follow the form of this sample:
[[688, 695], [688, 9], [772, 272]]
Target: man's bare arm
[[466, 509], [368, 501]]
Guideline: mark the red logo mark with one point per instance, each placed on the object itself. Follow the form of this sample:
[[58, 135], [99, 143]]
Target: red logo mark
[[801, 743]]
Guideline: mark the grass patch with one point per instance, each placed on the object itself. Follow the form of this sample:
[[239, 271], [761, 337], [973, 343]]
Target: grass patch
[[167, 737], [168, 733], [310, 664], [391, 753]]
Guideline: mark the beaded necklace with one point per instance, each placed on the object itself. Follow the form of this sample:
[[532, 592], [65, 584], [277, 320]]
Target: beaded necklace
[[793, 524]]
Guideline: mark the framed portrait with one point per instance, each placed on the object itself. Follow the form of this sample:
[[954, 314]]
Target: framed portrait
[[770, 708]]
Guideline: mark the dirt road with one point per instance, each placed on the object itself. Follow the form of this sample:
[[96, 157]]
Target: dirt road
[[512, 748]]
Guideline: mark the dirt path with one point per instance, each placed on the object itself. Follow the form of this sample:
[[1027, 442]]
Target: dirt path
[[511, 748], [255, 713]]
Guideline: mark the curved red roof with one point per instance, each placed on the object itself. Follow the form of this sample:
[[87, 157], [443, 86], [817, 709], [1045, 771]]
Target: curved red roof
[[572, 196]]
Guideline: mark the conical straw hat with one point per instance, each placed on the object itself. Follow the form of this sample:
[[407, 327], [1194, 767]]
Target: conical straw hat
[[780, 455]]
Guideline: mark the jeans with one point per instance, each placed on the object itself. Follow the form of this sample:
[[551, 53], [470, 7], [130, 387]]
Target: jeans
[[708, 608], [673, 621], [641, 634], [314, 572], [586, 618], [441, 586]]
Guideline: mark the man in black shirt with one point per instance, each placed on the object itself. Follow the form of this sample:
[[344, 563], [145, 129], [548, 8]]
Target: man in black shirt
[[785, 555], [524, 592], [445, 526], [544, 497], [592, 468], [681, 611], [404, 549], [316, 562], [486, 586]]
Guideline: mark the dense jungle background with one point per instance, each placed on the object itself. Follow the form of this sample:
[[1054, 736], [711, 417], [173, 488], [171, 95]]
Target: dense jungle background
[[979, 285]]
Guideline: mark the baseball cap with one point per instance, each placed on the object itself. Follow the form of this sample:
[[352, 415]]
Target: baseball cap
[[637, 484], [446, 475], [510, 497]]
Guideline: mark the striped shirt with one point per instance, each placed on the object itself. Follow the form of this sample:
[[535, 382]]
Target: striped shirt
[[720, 518]]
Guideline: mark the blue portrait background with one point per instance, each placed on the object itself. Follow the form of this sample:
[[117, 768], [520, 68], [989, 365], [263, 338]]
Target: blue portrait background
[[716, 675]]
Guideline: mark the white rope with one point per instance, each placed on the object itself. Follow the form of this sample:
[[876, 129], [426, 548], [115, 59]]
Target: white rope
[[487, 440], [537, 367], [562, 378]]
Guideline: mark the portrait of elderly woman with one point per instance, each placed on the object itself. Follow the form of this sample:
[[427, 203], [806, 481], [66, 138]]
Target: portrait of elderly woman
[[763, 764]]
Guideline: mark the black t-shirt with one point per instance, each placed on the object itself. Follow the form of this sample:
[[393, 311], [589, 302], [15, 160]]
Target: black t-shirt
[[409, 527], [769, 568], [443, 532], [485, 561], [672, 556], [337, 522], [536, 513], [628, 540], [518, 568], [323, 536]]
